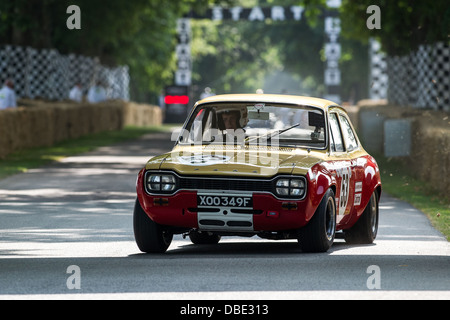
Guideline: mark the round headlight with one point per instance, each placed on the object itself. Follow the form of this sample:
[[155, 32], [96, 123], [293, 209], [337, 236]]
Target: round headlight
[[297, 183], [282, 187], [290, 187], [164, 182], [283, 183]]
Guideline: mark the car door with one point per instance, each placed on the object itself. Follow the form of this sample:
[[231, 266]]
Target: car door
[[341, 167], [357, 169]]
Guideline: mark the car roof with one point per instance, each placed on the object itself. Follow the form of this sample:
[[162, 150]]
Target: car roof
[[269, 98]]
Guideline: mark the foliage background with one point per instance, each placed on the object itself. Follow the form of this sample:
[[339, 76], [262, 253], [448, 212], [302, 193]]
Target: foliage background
[[228, 56]]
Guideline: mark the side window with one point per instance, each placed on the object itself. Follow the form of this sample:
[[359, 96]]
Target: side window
[[335, 136], [349, 136]]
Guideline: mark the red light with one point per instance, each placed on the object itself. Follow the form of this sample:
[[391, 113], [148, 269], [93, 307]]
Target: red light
[[176, 99]]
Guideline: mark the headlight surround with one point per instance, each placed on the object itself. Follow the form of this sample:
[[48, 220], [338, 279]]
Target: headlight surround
[[290, 187], [160, 182]]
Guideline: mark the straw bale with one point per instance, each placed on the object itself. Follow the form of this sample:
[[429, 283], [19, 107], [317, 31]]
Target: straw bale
[[142, 115], [42, 123], [6, 132], [430, 153]]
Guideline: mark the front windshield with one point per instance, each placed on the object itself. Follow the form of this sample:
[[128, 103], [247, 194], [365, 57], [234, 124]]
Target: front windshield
[[257, 123]]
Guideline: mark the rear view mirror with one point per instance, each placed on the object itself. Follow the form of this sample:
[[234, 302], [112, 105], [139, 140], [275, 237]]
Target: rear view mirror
[[258, 115], [316, 119]]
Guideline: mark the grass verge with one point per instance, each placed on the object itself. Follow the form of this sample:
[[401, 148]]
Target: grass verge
[[24, 160], [399, 183]]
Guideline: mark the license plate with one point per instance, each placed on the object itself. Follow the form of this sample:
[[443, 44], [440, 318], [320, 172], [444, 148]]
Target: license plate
[[224, 201]]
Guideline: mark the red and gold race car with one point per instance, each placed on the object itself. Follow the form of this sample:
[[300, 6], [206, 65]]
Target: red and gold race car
[[274, 166]]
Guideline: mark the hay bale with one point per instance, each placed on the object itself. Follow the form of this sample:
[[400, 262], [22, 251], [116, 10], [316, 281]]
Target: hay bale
[[62, 124], [43, 123], [6, 134], [111, 116], [430, 157], [142, 115], [430, 152]]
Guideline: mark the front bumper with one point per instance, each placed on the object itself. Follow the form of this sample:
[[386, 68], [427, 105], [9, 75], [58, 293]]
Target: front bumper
[[267, 213]]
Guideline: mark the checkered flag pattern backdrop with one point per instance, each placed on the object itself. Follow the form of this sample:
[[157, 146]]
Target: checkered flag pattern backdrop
[[378, 78], [50, 75], [422, 78]]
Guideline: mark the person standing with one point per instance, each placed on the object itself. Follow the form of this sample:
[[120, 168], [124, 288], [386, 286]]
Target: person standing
[[206, 93], [7, 95], [76, 94], [96, 93]]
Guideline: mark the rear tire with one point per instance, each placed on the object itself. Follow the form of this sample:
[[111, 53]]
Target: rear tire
[[366, 228], [150, 237], [318, 235]]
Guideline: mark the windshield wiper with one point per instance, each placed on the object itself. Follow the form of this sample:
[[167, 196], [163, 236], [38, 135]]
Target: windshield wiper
[[273, 134], [282, 131]]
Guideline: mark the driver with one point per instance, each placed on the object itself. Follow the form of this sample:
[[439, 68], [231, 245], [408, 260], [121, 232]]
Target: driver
[[233, 119]]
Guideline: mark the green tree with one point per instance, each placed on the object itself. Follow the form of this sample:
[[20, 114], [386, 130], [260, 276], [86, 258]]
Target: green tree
[[237, 56], [277, 55], [139, 33], [405, 24]]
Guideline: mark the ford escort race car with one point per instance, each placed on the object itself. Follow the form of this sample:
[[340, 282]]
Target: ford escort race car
[[275, 166]]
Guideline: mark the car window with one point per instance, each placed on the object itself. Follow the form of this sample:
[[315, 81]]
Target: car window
[[256, 124], [347, 132], [336, 137]]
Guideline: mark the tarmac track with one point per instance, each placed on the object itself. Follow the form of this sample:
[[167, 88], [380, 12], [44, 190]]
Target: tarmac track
[[78, 212]]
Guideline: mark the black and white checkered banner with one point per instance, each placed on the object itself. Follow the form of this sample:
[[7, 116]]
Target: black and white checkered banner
[[422, 78], [47, 74], [378, 77]]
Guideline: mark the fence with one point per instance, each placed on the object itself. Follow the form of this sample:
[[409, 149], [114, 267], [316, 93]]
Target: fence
[[420, 79], [48, 74]]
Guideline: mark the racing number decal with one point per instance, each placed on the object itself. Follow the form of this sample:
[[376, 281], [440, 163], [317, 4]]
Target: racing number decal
[[345, 174], [344, 192]]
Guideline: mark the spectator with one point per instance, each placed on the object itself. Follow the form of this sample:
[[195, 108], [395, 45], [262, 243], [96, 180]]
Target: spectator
[[76, 94], [7, 95], [206, 93], [96, 93], [161, 101]]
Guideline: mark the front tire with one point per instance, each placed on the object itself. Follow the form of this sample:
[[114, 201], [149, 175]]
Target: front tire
[[150, 237], [318, 235]]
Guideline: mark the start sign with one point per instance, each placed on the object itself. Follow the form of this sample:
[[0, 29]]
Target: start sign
[[276, 13]]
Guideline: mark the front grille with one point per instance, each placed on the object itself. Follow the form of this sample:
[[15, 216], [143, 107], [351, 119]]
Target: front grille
[[221, 183], [197, 183]]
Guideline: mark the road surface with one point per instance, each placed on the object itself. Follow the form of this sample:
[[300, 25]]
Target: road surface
[[66, 233]]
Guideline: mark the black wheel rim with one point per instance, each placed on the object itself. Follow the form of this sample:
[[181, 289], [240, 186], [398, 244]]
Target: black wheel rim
[[373, 214], [330, 220]]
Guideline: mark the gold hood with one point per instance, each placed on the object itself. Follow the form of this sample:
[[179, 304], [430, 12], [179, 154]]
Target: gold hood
[[224, 160]]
